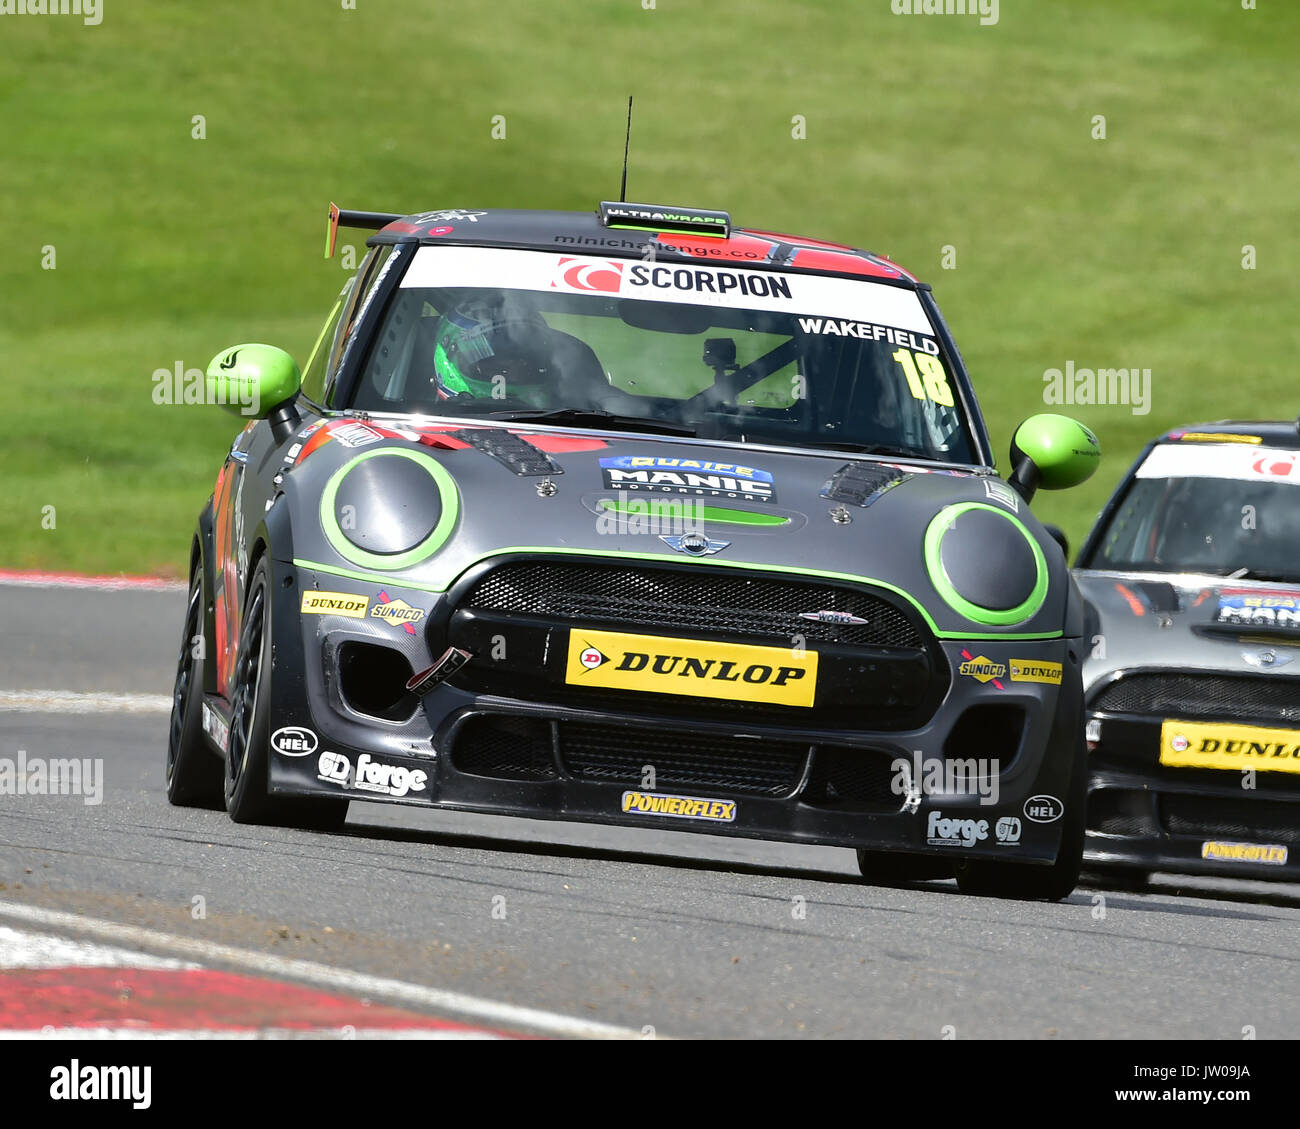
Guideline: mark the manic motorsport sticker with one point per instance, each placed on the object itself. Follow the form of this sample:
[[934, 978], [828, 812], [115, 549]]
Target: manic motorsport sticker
[[699, 477]]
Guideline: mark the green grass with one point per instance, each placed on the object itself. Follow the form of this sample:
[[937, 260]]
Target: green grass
[[921, 132]]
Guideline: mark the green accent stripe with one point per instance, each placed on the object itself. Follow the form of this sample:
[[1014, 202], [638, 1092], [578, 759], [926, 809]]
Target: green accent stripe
[[368, 577], [661, 508], [321, 339], [658, 229], [623, 558]]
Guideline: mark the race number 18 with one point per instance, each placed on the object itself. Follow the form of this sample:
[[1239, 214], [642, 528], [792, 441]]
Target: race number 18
[[931, 382]]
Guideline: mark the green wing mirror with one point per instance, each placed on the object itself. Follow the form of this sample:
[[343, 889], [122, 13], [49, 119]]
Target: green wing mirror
[[1052, 452], [258, 381]]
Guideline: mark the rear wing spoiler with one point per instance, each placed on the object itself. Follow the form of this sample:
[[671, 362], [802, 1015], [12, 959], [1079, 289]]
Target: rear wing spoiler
[[343, 217]]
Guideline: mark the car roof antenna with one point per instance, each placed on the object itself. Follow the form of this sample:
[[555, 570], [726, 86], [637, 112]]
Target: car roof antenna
[[622, 192]]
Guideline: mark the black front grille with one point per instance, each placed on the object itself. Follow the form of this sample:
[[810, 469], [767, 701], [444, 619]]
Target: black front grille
[[702, 602], [504, 748], [1226, 697], [1118, 811], [620, 754], [861, 779], [1252, 820]]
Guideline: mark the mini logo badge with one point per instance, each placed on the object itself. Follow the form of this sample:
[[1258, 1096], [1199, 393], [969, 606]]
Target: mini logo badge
[[1179, 743], [1267, 659], [1043, 809], [294, 741], [1007, 830], [834, 617], [694, 544], [591, 658]]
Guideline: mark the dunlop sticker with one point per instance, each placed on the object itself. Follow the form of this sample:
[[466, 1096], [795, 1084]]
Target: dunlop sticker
[[335, 603], [697, 667]]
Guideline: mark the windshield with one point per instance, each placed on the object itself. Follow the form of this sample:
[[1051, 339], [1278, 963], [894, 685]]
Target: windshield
[[717, 353], [1233, 510]]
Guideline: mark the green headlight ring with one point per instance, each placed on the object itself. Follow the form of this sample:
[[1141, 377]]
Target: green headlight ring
[[390, 563], [940, 525]]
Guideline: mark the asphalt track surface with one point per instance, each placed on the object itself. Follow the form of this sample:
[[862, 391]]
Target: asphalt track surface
[[680, 934]]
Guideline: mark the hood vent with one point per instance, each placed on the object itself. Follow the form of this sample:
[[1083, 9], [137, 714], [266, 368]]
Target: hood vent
[[860, 484], [512, 451]]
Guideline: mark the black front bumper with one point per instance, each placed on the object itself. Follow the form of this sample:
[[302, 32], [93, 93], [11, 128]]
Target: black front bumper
[[509, 737], [1146, 815]]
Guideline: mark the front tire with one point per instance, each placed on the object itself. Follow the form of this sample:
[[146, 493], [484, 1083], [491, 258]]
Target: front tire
[[193, 769], [247, 769], [983, 878]]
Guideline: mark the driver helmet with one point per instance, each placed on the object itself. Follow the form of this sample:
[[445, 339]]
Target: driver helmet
[[488, 352]]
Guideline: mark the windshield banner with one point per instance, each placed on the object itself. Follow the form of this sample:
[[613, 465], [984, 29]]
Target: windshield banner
[[861, 302]]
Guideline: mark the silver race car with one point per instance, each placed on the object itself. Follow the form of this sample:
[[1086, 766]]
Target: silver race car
[[1191, 578]]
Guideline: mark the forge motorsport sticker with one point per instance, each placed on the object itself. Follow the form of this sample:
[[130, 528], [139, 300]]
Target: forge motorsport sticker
[[695, 477]]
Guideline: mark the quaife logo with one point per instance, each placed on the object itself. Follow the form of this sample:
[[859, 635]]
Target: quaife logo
[[87, 1083], [699, 477], [941, 832]]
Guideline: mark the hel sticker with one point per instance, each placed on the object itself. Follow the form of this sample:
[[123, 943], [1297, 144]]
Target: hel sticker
[[294, 741], [1189, 744], [335, 603], [1030, 670], [679, 807], [1043, 809], [1271, 854], [696, 667]]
